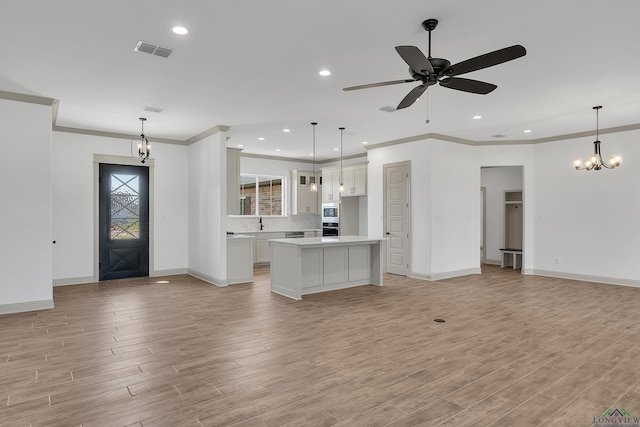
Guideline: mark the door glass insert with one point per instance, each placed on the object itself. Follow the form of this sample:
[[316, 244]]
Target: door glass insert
[[125, 207]]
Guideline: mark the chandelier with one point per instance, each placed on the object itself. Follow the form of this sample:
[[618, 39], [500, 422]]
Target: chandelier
[[595, 160], [144, 148]]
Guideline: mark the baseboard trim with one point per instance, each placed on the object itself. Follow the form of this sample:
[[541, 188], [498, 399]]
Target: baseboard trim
[[170, 272], [68, 281], [205, 277], [446, 275], [21, 307], [492, 261], [588, 278]]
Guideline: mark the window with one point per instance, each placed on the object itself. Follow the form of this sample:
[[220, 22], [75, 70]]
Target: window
[[261, 195]]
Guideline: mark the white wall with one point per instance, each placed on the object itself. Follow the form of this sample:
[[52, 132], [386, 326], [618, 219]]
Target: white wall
[[455, 212], [418, 153], [497, 180], [74, 205], [25, 215], [587, 223], [208, 209]]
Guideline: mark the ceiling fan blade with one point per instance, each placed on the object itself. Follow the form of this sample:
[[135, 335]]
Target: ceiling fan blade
[[487, 60], [468, 85], [412, 96], [392, 82], [415, 59]]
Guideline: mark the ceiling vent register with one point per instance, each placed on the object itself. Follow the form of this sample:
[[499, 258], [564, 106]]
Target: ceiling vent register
[[152, 49]]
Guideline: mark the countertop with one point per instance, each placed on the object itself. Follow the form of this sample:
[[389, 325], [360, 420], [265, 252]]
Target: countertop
[[327, 241], [274, 231], [239, 236]]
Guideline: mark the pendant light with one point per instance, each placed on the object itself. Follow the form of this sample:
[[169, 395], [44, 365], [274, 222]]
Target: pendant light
[[341, 182], [144, 148], [314, 183], [595, 162]]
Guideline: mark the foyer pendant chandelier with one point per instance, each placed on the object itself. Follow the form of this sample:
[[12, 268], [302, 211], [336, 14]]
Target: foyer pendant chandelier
[[144, 148], [341, 181], [314, 184], [595, 162]]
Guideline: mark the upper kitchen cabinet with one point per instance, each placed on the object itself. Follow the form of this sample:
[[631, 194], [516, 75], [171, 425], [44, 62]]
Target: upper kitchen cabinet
[[354, 179], [233, 181], [330, 184], [303, 200]]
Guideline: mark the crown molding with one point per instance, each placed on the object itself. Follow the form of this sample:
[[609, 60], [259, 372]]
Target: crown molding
[[113, 135], [294, 159], [442, 137], [31, 99], [206, 133]]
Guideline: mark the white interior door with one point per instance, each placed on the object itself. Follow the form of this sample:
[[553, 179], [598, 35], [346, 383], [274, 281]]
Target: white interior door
[[396, 185]]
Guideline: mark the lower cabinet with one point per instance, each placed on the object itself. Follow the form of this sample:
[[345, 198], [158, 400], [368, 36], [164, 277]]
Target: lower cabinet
[[262, 246]]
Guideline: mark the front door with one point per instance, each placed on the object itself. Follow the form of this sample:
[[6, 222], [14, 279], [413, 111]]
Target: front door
[[396, 185], [124, 221]]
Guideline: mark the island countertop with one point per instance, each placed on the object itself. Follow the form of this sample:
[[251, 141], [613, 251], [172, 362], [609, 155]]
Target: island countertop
[[327, 240]]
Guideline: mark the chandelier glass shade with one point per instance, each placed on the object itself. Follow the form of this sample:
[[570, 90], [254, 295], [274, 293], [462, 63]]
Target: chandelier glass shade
[[594, 161]]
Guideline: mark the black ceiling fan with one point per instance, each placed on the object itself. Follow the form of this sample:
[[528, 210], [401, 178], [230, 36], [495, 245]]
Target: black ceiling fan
[[429, 71]]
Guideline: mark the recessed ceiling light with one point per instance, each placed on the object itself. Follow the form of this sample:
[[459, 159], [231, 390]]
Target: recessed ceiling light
[[336, 149], [325, 73], [527, 131], [286, 130], [478, 117], [261, 139], [311, 154], [240, 145], [364, 142], [179, 30], [277, 149]]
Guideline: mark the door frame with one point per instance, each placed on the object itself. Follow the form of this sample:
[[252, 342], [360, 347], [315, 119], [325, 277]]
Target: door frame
[[126, 161], [406, 163], [483, 226]]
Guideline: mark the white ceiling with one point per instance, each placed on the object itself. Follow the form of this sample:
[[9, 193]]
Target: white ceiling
[[253, 65]]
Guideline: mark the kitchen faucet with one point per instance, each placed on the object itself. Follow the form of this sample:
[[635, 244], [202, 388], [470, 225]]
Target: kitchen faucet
[[261, 224]]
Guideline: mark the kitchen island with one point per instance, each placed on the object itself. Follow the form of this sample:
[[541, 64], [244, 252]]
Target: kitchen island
[[318, 264]]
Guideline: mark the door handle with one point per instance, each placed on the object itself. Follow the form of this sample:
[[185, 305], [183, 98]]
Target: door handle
[[387, 233]]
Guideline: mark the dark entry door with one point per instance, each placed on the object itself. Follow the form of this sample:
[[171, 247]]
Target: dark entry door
[[124, 221]]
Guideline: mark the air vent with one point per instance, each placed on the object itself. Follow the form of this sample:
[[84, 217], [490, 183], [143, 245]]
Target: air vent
[[154, 109], [388, 109], [152, 49], [499, 135]]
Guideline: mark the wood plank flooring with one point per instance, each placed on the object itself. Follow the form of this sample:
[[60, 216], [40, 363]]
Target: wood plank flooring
[[514, 351]]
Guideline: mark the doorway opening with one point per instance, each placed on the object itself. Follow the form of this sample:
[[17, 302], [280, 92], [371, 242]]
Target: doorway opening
[[502, 216]]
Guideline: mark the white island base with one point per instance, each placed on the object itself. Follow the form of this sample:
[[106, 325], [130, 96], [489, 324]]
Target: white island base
[[318, 264]]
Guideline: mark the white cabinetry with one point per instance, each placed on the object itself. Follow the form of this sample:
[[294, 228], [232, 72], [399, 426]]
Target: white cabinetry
[[262, 245], [331, 184], [354, 178], [233, 181], [240, 254], [303, 200]]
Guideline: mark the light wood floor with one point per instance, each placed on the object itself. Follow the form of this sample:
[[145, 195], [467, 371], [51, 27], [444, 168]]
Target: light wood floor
[[514, 351]]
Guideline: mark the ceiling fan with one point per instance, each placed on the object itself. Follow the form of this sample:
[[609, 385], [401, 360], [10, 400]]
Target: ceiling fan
[[429, 71]]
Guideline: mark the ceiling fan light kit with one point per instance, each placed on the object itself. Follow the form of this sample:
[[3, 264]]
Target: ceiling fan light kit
[[595, 162], [430, 71]]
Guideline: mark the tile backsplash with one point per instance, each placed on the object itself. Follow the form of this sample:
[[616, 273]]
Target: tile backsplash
[[273, 223]]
